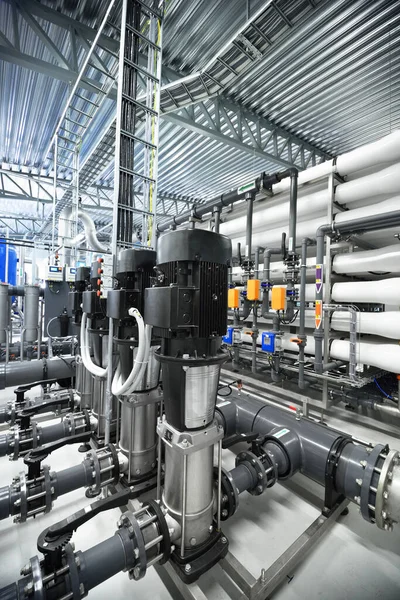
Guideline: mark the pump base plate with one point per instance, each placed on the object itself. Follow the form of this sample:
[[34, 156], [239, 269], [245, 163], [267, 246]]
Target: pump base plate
[[200, 560]]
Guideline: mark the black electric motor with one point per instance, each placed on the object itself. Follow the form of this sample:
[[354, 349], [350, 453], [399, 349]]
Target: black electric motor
[[187, 307]]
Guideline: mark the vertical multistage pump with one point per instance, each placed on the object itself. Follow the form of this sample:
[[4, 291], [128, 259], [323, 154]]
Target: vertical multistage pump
[[94, 340], [138, 394], [187, 309]]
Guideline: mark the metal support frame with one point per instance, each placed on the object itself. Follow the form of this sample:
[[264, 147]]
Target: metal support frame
[[225, 121], [327, 274], [231, 574]]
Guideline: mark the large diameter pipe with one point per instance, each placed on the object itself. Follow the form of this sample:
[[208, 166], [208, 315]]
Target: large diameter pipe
[[20, 373], [384, 291], [386, 181], [384, 356], [4, 312], [361, 470], [31, 312], [387, 149]]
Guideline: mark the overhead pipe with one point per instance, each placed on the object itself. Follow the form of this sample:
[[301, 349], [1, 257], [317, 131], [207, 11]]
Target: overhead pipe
[[371, 223], [65, 240], [387, 149], [384, 182]]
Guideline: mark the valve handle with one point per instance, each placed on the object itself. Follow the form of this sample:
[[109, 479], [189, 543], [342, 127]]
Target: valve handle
[[22, 389], [52, 540], [35, 456], [25, 414]]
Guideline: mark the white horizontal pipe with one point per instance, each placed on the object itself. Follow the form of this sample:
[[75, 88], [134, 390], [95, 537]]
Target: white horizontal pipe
[[379, 152], [380, 208], [386, 181], [384, 291], [272, 237], [385, 324], [383, 356], [380, 260]]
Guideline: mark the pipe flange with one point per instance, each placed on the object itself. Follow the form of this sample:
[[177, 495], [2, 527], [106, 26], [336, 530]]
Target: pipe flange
[[258, 467], [369, 471], [382, 515], [16, 440], [23, 512], [37, 581], [140, 568], [35, 434], [229, 494], [48, 489]]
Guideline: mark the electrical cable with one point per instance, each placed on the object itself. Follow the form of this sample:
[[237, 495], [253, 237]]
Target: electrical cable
[[227, 385], [87, 361], [388, 396]]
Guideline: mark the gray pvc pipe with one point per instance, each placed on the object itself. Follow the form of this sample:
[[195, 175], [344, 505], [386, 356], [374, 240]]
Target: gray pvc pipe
[[20, 373], [314, 441], [102, 561]]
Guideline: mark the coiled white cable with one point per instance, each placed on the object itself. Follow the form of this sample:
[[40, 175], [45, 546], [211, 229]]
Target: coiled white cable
[[85, 353], [118, 389]]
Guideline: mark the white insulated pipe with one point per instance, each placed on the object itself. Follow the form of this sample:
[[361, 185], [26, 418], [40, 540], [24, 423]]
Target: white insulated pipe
[[385, 324], [384, 182], [387, 149], [382, 356], [384, 291]]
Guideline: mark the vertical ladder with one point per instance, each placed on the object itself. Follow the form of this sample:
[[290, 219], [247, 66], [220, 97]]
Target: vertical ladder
[[90, 90], [137, 124]]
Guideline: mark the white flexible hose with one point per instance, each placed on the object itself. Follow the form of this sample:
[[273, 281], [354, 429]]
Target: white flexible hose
[[87, 361], [145, 362], [116, 388]]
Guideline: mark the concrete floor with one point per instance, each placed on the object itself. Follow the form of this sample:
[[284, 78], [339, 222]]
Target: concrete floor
[[354, 561]]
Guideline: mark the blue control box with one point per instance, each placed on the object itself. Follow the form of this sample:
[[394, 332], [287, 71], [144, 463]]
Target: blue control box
[[268, 342], [228, 338]]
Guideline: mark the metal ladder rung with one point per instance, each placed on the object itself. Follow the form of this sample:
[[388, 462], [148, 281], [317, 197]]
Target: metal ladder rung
[[76, 123], [61, 137], [141, 70], [113, 26], [86, 99], [150, 10], [140, 105], [136, 174], [65, 166], [100, 70], [61, 148], [143, 37], [69, 131], [135, 210], [82, 112], [138, 139], [96, 87]]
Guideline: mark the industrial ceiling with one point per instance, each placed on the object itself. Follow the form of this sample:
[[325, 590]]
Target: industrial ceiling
[[247, 87]]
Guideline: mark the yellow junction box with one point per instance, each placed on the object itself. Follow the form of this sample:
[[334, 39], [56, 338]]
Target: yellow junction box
[[233, 298], [253, 289], [278, 297]]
